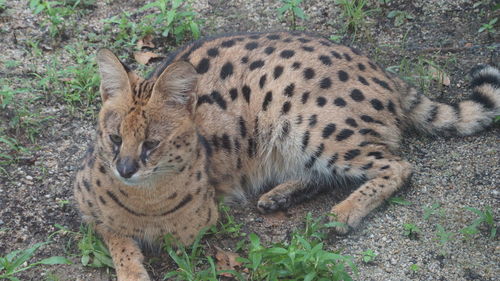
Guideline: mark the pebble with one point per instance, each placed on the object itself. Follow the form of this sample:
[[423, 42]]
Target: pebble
[[30, 178]]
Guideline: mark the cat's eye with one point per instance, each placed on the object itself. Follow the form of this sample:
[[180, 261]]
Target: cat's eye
[[151, 144], [116, 139]]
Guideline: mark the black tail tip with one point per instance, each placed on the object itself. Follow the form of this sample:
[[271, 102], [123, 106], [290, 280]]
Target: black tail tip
[[485, 74]]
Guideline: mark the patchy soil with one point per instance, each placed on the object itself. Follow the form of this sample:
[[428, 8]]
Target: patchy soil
[[455, 172]]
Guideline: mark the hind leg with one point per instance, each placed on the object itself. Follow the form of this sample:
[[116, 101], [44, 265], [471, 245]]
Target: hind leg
[[386, 177], [282, 196]]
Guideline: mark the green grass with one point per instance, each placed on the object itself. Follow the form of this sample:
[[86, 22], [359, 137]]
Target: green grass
[[369, 256], [354, 14], [411, 231], [292, 10], [92, 250], [18, 261]]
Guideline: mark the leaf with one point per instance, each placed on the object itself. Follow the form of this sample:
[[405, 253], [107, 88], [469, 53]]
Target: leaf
[[145, 57], [392, 14], [146, 41], [85, 260], [226, 261], [439, 75], [399, 201], [55, 260]]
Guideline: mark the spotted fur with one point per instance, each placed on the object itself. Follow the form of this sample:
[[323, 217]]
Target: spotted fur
[[231, 114]]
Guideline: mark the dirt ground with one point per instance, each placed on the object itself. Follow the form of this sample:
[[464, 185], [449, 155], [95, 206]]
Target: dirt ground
[[455, 172]]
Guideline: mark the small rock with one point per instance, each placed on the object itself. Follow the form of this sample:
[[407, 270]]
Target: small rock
[[394, 261], [30, 178]]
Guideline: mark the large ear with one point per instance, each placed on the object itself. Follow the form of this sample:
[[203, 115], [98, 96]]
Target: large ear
[[114, 74], [177, 85]]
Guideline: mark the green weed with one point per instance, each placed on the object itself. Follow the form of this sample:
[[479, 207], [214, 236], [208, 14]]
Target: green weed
[[484, 217], [292, 9], [411, 231], [3, 5], [175, 19], [227, 225], [431, 210], [303, 258], [92, 250], [18, 261], [400, 17], [57, 15], [399, 201], [128, 30], [414, 268], [354, 14], [369, 256], [488, 27]]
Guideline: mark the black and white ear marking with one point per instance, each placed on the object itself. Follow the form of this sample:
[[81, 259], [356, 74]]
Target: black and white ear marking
[[177, 85]]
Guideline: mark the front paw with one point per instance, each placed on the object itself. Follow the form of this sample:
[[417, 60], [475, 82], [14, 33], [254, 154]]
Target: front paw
[[271, 202], [347, 217], [132, 273]]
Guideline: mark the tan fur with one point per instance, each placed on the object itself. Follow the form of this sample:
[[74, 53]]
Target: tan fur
[[233, 114]]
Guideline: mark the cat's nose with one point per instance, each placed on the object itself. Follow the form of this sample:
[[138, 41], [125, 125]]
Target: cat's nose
[[127, 167]]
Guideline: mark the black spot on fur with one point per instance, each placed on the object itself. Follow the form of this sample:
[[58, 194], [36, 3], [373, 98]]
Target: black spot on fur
[[366, 131], [244, 59], [226, 70], [433, 113], [289, 90], [376, 154], [325, 60], [357, 95], [252, 147], [382, 83], [256, 64], [351, 154], [315, 156], [286, 54], [363, 80], [251, 46], [296, 65], [351, 122], [304, 40], [273, 37], [221, 102], [102, 169], [226, 142], [213, 52], [298, 120], [246, 93], [343, 76], [309, 73], [305, 97], [344, 134], [336, 55], [391, 107], [305, 140], [233, 93], [203, 66], [333, 159], [256, 36], [102, 200], [372, 65], [267, 100], [308, 48], [347, 57], [269, 50], [325, 83], [285, 129], [313, 119], [228, 43], [361, 66], [262, 81], [243, 127], [486, 79], [340, 102], [377, 104], [278, 70], [367, 166], [286, 107], [328, 130], [325, 43], [321, 101], [385, 167]]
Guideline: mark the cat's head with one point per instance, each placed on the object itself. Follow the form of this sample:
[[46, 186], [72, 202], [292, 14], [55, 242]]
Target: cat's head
[[145, 126]]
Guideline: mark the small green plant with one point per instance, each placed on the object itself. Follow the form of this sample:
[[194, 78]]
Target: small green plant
[[227, 224], [414, 268], [18, 261], [128, 30], [92, 250], [488, 27], [486, 217], [399, 201], [431, 210], [57, 15], [443, 237], [400, 17], [190, 261], [176, 18], [411, 230], [3, 5], [292, 9], [303, 258], [369, 256], [354, 14]]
